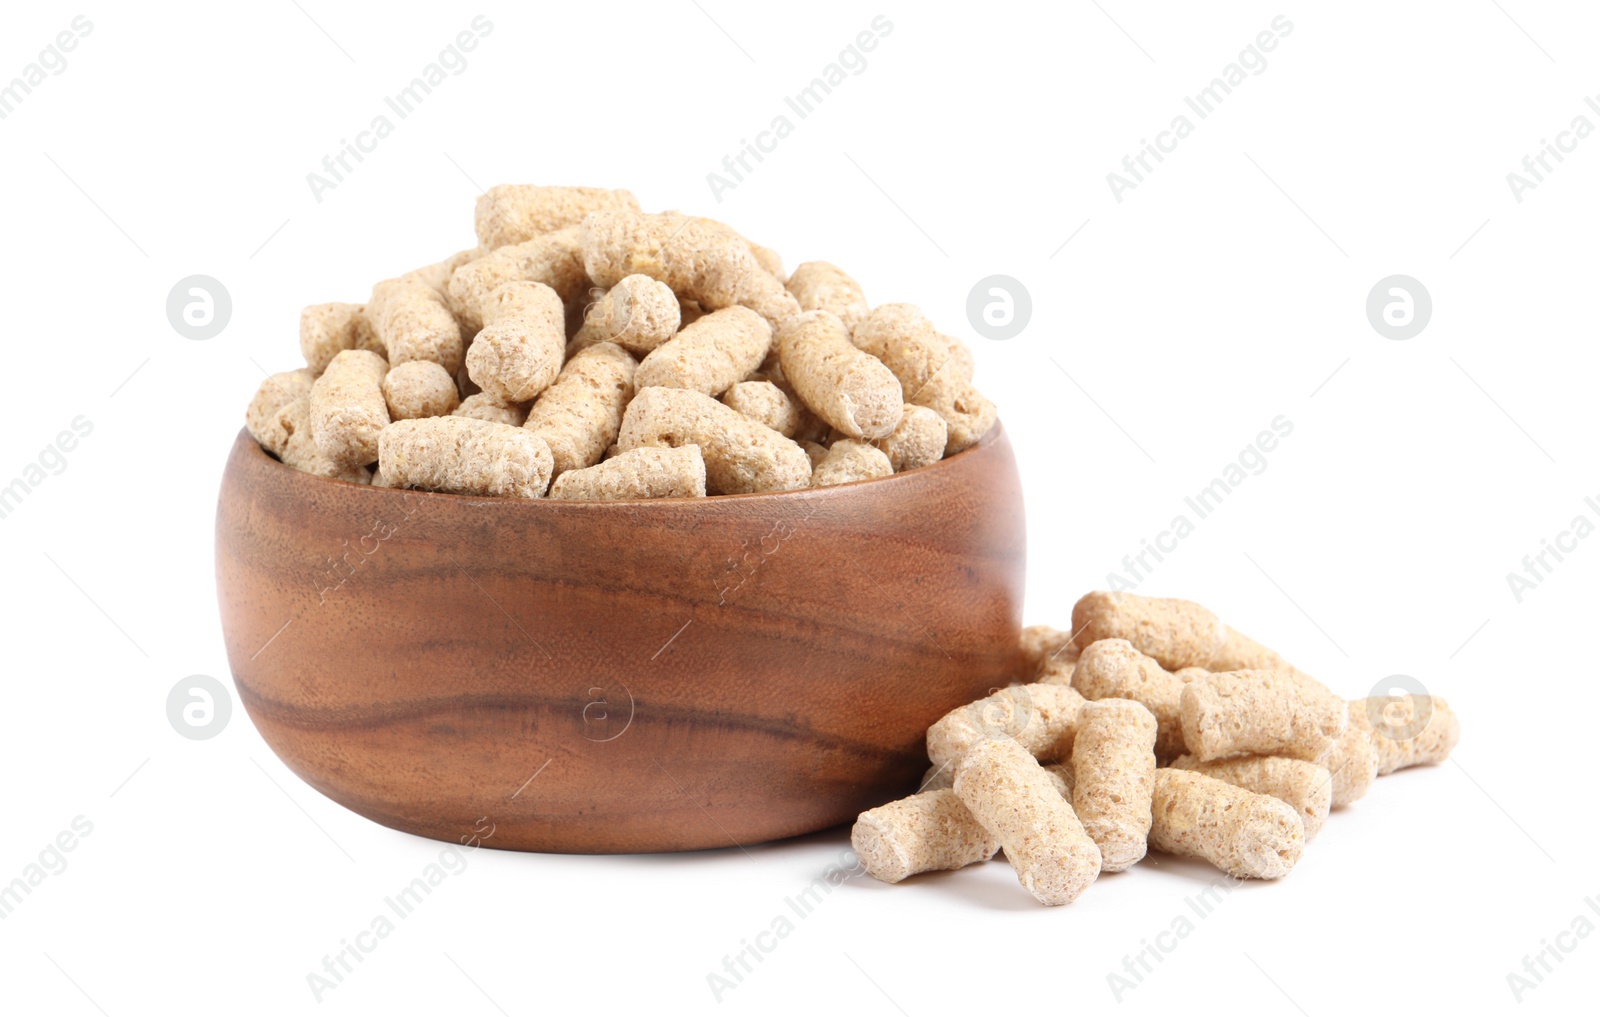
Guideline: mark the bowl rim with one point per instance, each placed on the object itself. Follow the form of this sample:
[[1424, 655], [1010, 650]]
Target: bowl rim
[[994, 434]]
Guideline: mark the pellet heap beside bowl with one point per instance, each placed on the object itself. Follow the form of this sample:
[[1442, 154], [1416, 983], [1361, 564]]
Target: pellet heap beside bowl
[[616, 676]]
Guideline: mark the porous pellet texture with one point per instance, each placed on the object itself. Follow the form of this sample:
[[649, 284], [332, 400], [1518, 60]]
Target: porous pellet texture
[[815, 451], [1245, 834], [1040, 718], [1407, 730], [347, 408], [419, 388], [852, 391], [276, 392], [849, 461], [1113, 770], [1061, 776], [552, 260], [766, 404], [412, 322], [968, 417], [1177, 633], [1113, 669], [741, 455], [638, 314], [641, 473], [300, 450], [518, 297], [700, 259], [1296, 782], [463, 455], [918, 440], [1267, 713], [923, 833], [711, 355], [1010, 794], [1241, 653], [1041, 643], [963, 366], [578, 416], [770, 261], [326, 330], [514, 213], [483, 406], [1353, 764], [820, 286], [1189, 674], [931, 374], [1055, 672], [518, 354]]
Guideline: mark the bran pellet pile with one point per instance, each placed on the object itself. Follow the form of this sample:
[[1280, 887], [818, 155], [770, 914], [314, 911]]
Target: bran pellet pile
[[1151, 725], [588, 350]]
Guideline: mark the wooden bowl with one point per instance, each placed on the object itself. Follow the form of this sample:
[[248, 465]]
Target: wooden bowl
[[616, 676]]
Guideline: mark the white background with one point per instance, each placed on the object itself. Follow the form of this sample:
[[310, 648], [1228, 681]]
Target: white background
[[1225, 290]]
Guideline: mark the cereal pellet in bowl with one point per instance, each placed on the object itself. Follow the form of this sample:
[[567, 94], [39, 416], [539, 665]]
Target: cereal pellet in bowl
[[583, 340]]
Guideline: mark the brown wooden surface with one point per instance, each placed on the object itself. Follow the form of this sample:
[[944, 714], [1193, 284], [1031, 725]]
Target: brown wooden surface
[[680, 674]]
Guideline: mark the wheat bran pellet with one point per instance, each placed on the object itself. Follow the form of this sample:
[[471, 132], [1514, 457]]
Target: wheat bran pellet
[[929, 372], [419, 388], [1113, 770], [347, 408], [641, 473], [300, 450], [276, 392], [918, 440], [520, 349], [816, 452], [411, 321], [820, 286], [700, 259], [483, 406], [1056, 672], [1246, 835], [638, 314], [463, 455], [1305, 786], [1407, 730], [515, 213], [553, 260], [925, 832], [326, 330], [1040, 718], [1352, 763], [1113, 669], [770, 261], [1177, 633], [741, 456], [1268, 713], [711, 355], [1041, 643], [848, 461], [579, 415], [767, 404], [848, 389], [1011, 795]]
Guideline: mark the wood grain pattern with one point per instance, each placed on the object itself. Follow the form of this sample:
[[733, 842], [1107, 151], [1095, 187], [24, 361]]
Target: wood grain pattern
[[679, 674]]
